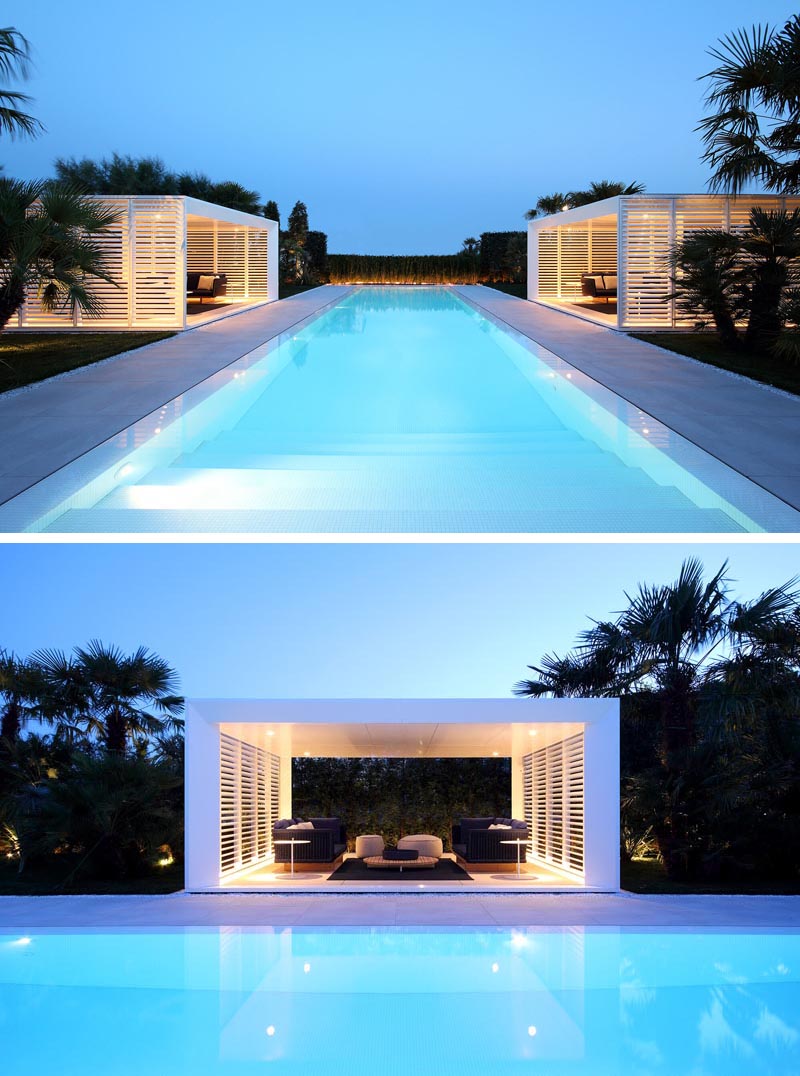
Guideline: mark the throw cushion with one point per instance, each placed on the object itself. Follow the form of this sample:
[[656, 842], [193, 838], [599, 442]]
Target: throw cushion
[[284, 823], [302, 825], [517, 823], [499, 825], [205, 283]]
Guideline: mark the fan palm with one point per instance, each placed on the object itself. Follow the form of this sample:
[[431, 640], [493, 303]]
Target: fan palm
[[548, 204], [603, 188], [49, 241], [708, 282], [21, 688], [753, 131], [771, 249], [14, 57], [131, 697], [674, 644]]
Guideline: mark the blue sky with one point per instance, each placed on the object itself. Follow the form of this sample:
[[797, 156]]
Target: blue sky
[[342, 621], [404, 127]]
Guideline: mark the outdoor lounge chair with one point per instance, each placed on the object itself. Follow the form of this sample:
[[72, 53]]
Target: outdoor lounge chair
[[206, 285], [326, 840], [475, 842], [599, 285]]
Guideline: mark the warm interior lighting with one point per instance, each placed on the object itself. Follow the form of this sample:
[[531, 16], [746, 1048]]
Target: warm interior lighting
[[532, 732]]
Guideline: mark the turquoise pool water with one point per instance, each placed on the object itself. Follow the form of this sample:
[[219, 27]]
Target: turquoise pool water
[[398, 410], [457, 1003]]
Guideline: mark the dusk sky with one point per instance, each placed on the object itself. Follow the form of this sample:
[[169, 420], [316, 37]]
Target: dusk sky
[[404, 127], [342, 621]]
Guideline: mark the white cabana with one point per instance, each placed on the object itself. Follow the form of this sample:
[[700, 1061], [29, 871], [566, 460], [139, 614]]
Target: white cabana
[[564, 771], [150, 253], [609, 261]]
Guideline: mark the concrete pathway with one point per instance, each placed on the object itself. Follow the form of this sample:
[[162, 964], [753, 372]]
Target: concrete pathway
[[182, 910], [44, 426], [751, 427]]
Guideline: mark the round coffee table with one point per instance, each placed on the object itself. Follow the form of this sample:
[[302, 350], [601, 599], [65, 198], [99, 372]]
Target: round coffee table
[[420, 863], [519, 842], [291, 841]]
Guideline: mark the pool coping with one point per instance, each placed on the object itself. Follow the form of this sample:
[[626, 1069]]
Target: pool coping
[[623, 910]]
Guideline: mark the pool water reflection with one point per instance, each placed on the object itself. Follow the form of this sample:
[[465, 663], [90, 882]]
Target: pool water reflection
[[233, 1000]]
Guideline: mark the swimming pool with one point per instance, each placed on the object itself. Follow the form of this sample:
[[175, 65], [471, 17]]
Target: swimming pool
[[399, 410], [357, 1001]]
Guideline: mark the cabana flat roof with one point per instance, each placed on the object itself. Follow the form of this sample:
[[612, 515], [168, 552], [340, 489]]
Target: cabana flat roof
[[609, 207]]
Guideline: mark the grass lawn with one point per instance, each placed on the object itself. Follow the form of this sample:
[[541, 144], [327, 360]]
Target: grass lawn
[[648, 876], [43, 881], [520, 290], [29, 357], [706, 348], [285, 290]]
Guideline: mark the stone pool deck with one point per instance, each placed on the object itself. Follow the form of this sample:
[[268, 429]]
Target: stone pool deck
[[407, 910], [750, 427]]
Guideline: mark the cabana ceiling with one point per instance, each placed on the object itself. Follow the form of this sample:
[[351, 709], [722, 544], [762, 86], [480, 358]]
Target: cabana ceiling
[[390, 740]]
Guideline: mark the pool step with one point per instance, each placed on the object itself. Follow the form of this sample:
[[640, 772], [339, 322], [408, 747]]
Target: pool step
[[549, 471], [401, 444], [552, 520], [400, 488]]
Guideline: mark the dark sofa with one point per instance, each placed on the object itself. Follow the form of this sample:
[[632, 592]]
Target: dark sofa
[[327, 840], [194, 291], [474, 842], [599, 285]]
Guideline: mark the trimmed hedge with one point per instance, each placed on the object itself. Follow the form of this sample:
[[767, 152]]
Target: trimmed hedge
[[402, 269]]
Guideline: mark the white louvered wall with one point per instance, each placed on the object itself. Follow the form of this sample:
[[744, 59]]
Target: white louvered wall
[[147, 253], [649, 228], [567, 252], [157, 262], [249, 802], [554, 804]]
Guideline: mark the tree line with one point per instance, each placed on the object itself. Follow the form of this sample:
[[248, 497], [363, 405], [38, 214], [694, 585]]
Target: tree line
[[91, 763], [709, 686]]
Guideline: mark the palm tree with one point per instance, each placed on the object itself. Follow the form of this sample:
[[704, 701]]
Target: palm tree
[[21, 687], [753, 131], [131, 697], [49, 241], [471, 246], [548, 204], [771, 249], [603, 188], [708, 280], [667, 651], [596, 191], [14, 57]]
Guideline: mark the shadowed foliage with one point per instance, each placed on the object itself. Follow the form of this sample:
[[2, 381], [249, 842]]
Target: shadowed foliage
[[710, 690]]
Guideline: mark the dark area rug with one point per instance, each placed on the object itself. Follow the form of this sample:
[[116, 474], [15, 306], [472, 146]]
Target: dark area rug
[[353, 870]]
